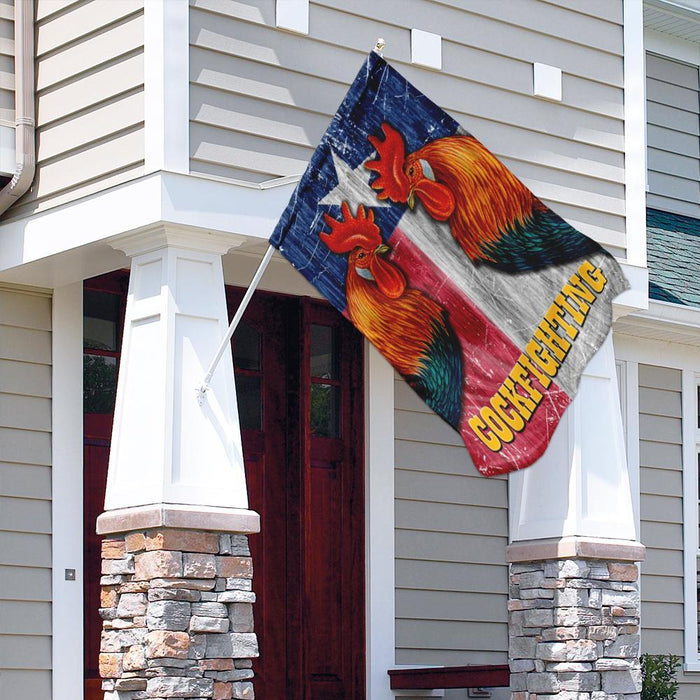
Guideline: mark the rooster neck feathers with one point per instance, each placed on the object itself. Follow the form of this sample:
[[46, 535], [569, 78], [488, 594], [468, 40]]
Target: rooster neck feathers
[[489, 198]]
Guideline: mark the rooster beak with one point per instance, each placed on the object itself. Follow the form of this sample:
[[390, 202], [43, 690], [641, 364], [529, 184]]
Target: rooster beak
[[411, 200], [382, 249]]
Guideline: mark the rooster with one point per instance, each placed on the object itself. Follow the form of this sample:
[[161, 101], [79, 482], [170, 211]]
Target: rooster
[[409, 328], [492, 215]]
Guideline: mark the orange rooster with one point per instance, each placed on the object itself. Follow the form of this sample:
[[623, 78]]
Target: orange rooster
[[492, 215], [409, 328]]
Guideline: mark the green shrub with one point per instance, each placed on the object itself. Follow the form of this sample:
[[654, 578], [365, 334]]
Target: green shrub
[[659, 676]]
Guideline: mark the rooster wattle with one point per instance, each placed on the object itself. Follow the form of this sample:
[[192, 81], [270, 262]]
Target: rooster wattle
[[409, 328], [492, 215]]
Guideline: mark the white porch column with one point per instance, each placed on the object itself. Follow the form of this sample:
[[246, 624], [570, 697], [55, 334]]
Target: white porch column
[[580, 487], [573, 612], [169, 455]]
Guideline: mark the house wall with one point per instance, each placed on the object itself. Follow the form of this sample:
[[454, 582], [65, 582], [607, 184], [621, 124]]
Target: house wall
[[451, 534], [7, 63], [261, 98], [661, 513], [25, 494], [90, 99], [673, 128]]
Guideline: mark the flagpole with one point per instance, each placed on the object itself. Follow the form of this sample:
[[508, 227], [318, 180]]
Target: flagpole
[[201, 390]]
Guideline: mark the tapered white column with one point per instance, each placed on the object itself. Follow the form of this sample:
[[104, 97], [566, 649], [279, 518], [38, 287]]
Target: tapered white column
[[166, 448], [580, 487]]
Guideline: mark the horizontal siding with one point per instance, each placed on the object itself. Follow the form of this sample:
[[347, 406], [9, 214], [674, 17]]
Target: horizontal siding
[[673, 126], [661, 509], [7, 63], [451, 533], [261, 98], [90, 100], [25, 495]]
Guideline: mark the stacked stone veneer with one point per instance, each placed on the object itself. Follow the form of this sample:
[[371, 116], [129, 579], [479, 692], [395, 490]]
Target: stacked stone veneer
[[177, 616], [574, 630]]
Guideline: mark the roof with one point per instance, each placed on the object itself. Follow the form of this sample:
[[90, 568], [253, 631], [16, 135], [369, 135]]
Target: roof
[[673, 252]]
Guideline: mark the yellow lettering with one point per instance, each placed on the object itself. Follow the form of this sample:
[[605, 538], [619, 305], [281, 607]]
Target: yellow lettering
[[496, 424], [555, 317], [488, 438], [593, 276], [499, 404], [522, 404], [573, 312], [559, 346], [540, 356], [542, 378]]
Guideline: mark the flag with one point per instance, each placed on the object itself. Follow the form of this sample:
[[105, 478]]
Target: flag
[[480, 296]]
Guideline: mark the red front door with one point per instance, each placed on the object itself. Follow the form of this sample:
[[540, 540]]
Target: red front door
[[299, 381]]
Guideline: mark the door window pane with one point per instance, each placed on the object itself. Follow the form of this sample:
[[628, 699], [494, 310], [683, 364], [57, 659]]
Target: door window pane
[[249, 401], [99, 383], [100, 320], [325, 410], [324, 352], [246, 347]]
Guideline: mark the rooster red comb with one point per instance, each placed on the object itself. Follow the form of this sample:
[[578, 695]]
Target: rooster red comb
[[352, 232]]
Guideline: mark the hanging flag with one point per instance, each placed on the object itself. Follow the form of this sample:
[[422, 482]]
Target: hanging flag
[[485, 301]]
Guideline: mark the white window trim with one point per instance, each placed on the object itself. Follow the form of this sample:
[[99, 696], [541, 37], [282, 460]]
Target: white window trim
[[634, 351]]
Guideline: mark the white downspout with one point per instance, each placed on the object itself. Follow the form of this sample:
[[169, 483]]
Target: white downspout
[[24, 106]]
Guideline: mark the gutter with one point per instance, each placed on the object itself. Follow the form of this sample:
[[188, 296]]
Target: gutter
[[25, 121]]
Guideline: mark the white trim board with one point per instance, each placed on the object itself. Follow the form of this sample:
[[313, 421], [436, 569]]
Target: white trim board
[[67, 492]]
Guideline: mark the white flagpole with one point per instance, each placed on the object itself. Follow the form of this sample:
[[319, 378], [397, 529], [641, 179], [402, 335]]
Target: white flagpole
[[201, 390]]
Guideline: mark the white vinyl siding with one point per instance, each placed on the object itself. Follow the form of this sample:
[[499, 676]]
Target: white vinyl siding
[[7, 63], [25, 495], [451, 533], [90, 99], [661, 510], [673, 136], [261, 98]]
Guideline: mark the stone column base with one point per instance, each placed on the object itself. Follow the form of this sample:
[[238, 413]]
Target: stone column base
[[574, 630], [177, 615]]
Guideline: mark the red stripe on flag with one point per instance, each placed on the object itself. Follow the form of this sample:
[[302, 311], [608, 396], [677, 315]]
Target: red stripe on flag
[[489, 359]]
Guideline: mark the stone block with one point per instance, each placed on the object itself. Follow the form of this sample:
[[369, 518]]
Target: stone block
[[231, 645], [566, 568], [614, 664], [521, 665], [571, 598], [174, 687], [534, 593], [543, 683], [210, 609], [521, 647], [581, 650], [538, 618], [135, 542], [236, 597], [533, 579], [599, 572], [197, 565], [621, 599], [569, 667], [183, 540], [174, 594], [554, 634], [518, 681], [161, 644], [595, 598], [117, 640], [234, 567], [222, 691], [208, 624], [625, 646], [239, 674], [158, 564], [108, 597], [110, 665], [241, 617], [623, 572], [622, 681], [168, 615], [552, 651], [242, 691], [586, 681], [113, 548], [574, 617], [127, 684], [118, 567], [132, 604], [134, 658], [216, 664], [134, 587], [192, 584], [602, 632], [239, 546]]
